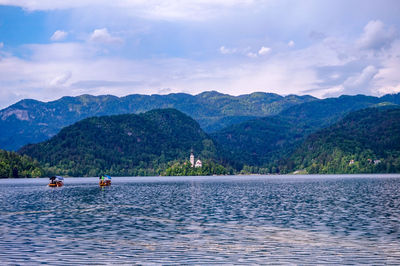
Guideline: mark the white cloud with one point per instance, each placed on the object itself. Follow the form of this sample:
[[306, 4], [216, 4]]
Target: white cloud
[[387, 80], [60, 69], [61, 79], [63, 68], [291, 43], [151, 9], [360, 83], [103, 36], [225, 50], [48, 76], [8, 97], [1, 45], [61, 52], [245, 51], [251, 55], [389, 89], [59, 35], [264, 50], [376, 36]]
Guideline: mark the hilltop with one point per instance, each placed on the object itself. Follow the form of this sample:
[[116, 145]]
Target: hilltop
[[366, 141], [121, 145]]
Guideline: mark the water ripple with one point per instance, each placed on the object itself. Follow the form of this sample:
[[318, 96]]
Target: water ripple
[[240, 220]]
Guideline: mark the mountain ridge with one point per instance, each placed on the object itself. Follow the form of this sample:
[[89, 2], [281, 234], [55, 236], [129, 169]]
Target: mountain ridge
[[32, 121]]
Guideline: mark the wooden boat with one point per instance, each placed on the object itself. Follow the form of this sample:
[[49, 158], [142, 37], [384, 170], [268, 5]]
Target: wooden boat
[[105, 180], [56, 181]]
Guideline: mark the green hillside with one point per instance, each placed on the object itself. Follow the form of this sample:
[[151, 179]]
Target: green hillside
[[31, 121], [13, 165], [123, 144], [366, 141], [264, 141]]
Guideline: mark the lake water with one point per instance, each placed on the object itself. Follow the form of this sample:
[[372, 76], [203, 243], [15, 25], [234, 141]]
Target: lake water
[[201, 220]]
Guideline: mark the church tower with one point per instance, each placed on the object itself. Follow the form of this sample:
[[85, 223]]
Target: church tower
[[192, 158]]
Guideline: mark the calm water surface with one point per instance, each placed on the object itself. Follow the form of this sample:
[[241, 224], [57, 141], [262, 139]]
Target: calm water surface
[[199, 220]]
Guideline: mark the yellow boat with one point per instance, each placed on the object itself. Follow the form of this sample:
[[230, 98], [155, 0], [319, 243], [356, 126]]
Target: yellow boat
[[105, 180], [56, 181]]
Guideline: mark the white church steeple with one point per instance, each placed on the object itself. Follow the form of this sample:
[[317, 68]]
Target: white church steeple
[[192, 158]]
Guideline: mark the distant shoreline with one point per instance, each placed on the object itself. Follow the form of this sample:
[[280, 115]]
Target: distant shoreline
[[210, 176]]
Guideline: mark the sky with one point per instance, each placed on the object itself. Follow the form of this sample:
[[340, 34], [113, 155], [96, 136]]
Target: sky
[[55, 48]]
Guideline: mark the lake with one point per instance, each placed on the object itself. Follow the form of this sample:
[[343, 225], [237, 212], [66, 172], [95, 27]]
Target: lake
[[200, 220]]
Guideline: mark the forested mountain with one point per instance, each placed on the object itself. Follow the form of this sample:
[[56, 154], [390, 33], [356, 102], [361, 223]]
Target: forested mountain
[[262, 142], [13, 165], [31, 121], [366, 141], [127, 144], [144, 144]]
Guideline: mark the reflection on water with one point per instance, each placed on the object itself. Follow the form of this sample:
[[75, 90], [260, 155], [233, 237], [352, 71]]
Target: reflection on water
[[238, 220]]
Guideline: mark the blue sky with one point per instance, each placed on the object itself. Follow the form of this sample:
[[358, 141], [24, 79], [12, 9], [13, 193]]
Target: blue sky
[[53, 48]]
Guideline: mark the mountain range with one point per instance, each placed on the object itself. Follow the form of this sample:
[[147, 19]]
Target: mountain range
[[274, 143], [31, 121]]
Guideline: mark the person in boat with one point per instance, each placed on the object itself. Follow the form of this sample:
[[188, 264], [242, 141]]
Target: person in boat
[[52, 180], [105, 180], [56, 181]]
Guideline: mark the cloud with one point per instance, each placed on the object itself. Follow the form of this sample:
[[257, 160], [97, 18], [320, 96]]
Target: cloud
[[376, 36], [264, 50], [164, 91], [387, 80], [224, 50], [336, 75], [363, 82], [1, 45], [90, 84], [61, 79], [59, 69], [360, 84], [60, 51], [59, 35], [334, 65], [7, 97], [245, 51], [251, 55], [150, 9], [389, 89], [103, 36]]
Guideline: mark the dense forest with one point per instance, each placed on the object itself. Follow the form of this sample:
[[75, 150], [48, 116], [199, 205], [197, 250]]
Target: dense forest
[[366, 141], [263, 142], [123, 145], [31, 121], [13, 165]]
